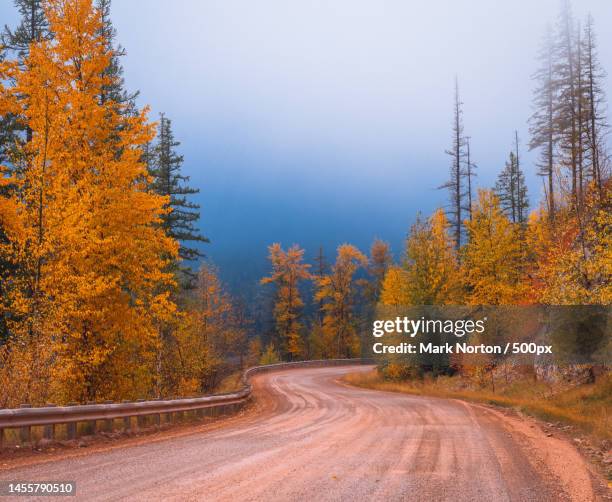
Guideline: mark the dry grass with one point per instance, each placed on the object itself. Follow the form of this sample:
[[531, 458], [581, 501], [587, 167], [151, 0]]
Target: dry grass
[[587, 407], [230, 383]]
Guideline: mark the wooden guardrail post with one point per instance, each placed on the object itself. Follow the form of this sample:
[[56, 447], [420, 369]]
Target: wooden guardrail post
[[108, 423], [49, 430], [140, 419], [71, 427], [92, 423], [127, 422], [179, 416], [157, 416], [25, 433]]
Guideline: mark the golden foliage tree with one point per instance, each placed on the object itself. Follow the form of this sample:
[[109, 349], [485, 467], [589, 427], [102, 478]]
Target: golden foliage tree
[[207, 331], [572, 260], [493, 258], [92, 253], [431, 263], [337, 291], [288, 270], [395, 291], [380, 260]]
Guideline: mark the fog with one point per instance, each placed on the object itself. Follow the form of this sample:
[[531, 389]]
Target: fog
[[320, 122]]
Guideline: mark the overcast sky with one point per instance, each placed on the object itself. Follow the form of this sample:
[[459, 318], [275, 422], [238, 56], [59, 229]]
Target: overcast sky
[[319, 122]]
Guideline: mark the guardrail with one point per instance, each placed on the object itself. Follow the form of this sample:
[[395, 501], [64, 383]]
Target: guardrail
[[26, 417]]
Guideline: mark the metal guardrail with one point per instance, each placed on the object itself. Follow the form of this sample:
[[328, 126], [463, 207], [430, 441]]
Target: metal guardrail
[[49, 416]]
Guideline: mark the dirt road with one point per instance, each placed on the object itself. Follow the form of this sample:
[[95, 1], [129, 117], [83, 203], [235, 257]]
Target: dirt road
[[312, 438]]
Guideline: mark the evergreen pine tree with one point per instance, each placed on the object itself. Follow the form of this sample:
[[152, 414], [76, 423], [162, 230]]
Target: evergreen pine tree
[[470, 174], [542, 125], [165, 166], [455, 184], [320, 271], [115, 90], [511, 189], [595, 104], [33, 27], [566, 109]]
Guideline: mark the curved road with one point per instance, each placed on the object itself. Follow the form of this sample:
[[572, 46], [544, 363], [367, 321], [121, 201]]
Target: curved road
[[310, 437]]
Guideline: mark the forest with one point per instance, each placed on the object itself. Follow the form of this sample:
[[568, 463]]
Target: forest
[[105, 293]]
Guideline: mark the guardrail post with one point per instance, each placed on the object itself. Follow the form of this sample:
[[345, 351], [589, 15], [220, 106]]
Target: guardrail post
[[49, 430], [157, 416], [25, 433], [108, 423], [92, 423], [140, 419], [127, 423], [71, 427]]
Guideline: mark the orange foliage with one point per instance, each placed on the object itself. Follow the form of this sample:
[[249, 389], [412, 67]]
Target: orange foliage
[[92, 254], [288, 270]]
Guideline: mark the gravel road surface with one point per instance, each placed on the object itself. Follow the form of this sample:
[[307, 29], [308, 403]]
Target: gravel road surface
[[309, 437]]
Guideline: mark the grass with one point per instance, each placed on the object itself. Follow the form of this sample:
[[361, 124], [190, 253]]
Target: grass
[[586, 407], [230, 383]]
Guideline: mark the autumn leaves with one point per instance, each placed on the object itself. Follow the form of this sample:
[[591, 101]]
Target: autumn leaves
[[87, 284], [543, 261], [335, 334]]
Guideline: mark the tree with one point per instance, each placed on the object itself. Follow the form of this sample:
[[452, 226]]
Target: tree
[[9, 136], [470, 173], [431, 263], [395, 292], [115, 91], [32, 28], [209, 331], [455, 185], [93, 256], [181, 216], [511, 189], [595, 100], [492, 264], [572, 265], [379, 262], [288, 270], [338, 292], [567, 117], [320, 271], [542, 122]]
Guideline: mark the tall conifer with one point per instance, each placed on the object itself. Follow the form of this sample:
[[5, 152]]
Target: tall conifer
[[165, 165]]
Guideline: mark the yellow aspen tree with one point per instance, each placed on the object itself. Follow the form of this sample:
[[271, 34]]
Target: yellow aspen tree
[[288, 270], [394, 291], [337, 291], [95, 254], [431, 264], [493, 258], [572, 262], [206, 333]]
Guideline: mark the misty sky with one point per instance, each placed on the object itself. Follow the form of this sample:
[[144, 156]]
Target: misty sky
[[320, 122]]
